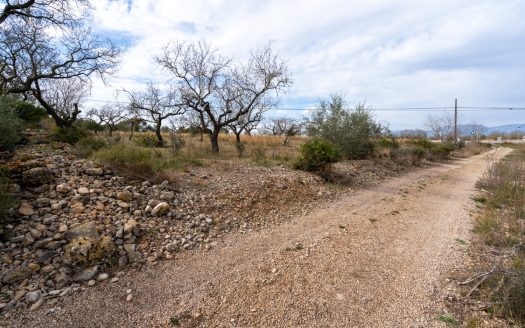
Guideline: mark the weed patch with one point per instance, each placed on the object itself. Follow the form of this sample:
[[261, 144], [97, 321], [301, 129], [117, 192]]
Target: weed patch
[[448, 320], [501, 225], [143, 162]]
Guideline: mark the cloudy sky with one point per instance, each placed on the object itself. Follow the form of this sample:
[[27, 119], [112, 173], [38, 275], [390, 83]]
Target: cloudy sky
[[390, 54]]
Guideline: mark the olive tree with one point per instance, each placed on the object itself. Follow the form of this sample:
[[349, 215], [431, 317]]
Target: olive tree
[[219, 90], [351, 130]]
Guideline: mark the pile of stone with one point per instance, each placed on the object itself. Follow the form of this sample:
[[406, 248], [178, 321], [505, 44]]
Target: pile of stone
[[77, 223]]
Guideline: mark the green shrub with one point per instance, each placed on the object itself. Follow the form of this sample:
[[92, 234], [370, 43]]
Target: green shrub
[[129, 158], [259, 156], [10, 126], [143, 162], [443, 150], [88, 124], [28, 112], [70, 135], [87, 146], [146, 140], [352, 131], [316, 155], [422, 142], [388, 143], [431, 151]]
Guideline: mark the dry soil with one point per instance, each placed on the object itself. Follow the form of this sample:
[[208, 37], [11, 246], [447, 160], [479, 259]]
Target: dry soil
[[377, 258]]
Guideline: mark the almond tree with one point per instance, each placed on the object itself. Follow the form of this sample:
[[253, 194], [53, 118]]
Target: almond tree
[[110, 116], [156, 105], [218, 90], [45, 41], [442, 126], [53, 12], [61, 98], [284, 127], [246, 123]]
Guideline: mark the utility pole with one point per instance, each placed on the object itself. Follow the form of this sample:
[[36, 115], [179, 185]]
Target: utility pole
[[456, 121]]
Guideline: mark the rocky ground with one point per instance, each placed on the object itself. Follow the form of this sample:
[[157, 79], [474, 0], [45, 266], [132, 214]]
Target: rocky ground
[[78, 224]]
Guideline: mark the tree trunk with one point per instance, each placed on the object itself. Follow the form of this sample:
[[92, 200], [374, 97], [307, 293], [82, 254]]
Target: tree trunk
[[237, 137], [214, 139], [110, 131], [160, 142], [132, 125]]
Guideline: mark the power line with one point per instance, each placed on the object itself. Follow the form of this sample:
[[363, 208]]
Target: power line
[[391, 109], [495, 108], [422, 109]]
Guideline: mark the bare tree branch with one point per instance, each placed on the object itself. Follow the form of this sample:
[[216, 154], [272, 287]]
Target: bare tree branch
[[61, 98], [220, 91], [442, 126], [156, 105], [54, 12], [43, 41], [284, 127], [109, 115]]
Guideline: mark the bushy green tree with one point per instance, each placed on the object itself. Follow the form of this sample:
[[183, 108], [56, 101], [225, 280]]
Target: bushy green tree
[[29, 112], [351, 130], [317, 155]]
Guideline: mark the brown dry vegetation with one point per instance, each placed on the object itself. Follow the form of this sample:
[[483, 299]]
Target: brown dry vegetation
[[493, 288]]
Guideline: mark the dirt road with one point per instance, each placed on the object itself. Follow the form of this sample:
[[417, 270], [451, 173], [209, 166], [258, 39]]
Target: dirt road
[[373, 259]]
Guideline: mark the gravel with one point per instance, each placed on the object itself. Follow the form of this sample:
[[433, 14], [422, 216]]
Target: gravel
[[374, 258]]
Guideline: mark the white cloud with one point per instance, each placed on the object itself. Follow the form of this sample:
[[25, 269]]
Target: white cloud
[[402, 53]]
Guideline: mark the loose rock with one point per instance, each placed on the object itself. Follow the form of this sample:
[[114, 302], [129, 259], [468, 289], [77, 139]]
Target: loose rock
[[162, 208]]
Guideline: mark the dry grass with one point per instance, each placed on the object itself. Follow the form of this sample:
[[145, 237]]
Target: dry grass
[[471, 149], [501, 226], [139, 156], [151, 163], [257, 147]]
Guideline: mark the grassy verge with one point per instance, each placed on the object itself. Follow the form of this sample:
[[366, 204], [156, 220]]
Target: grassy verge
[[150, 163], [501, 228], [471, 149], [411, 152], [140, 157]]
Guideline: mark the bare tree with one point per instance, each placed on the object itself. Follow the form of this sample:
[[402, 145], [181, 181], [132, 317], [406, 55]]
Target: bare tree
[[194, 122], [110, 116], [156, 105], [134, 121], [61, 98], [218, 90], [45, 41], [247, 122], [53, 12], [442, 126], [284, 127]]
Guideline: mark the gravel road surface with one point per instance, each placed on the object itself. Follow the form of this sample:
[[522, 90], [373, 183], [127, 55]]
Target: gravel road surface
[[377, 258]]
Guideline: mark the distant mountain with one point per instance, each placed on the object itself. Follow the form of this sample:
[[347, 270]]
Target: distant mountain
[[466, 130], [509, 128]]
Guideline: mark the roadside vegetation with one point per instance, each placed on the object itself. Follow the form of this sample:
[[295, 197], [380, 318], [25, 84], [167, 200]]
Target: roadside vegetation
[[498, 285]]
